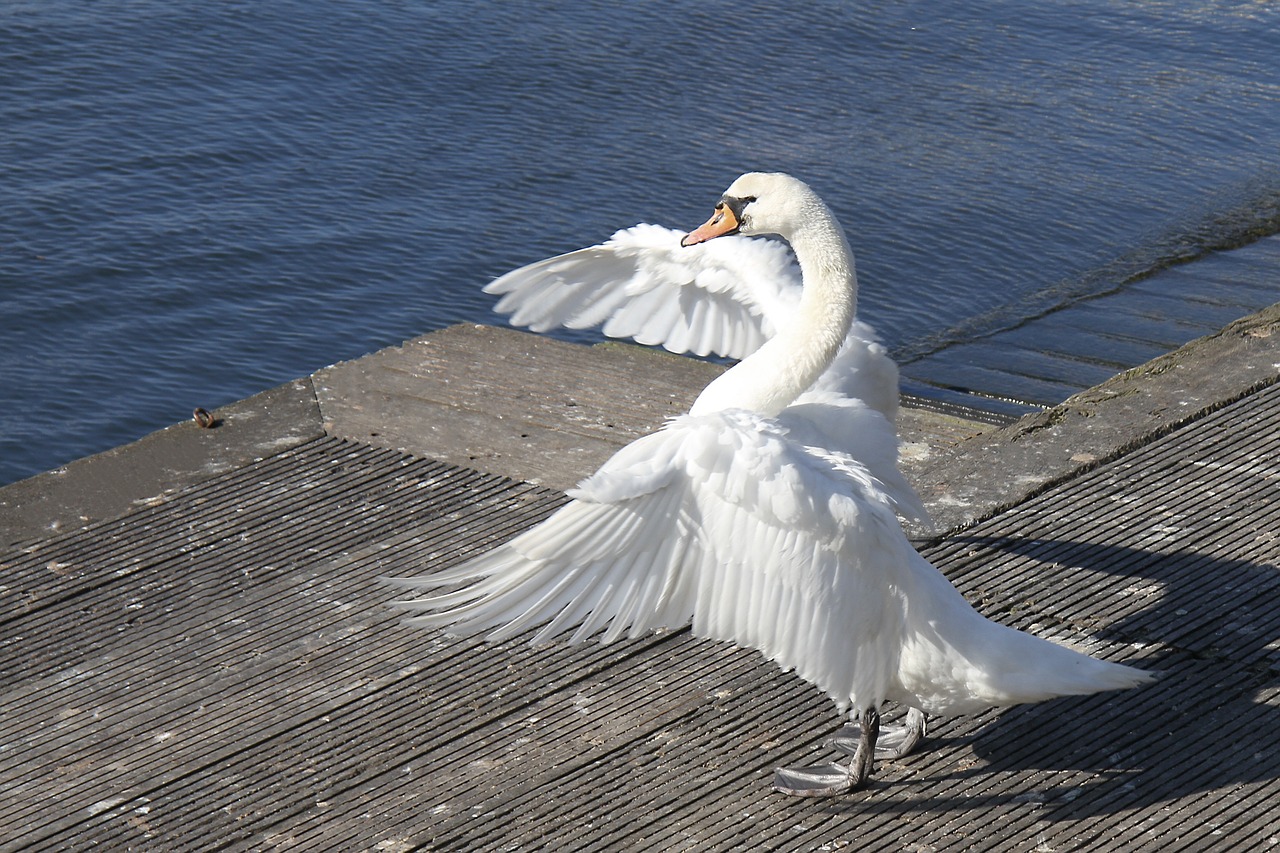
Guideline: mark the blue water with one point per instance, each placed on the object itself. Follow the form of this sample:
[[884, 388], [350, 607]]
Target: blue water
[[202, 200]]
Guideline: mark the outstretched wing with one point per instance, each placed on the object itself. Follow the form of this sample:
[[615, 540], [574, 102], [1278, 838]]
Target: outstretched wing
[[722, 297], [722, 520]]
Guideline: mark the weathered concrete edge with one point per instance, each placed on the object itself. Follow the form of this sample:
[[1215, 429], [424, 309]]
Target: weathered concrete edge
[[979, 477], [508, 402], [962, 484], [110, 483]]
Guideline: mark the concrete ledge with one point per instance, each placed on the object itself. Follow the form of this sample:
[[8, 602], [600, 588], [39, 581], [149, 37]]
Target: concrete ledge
[[506, 402], [111, 483], [532, 408]]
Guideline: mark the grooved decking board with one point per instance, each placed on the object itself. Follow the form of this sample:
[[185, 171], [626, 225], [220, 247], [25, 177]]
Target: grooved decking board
[[218, 671]]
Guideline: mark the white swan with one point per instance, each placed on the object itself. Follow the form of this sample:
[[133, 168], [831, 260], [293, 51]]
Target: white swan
[[729, 519]]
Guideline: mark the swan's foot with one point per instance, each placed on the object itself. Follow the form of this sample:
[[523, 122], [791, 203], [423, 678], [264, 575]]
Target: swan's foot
[[818, 780], [828, 780], [894, 741]]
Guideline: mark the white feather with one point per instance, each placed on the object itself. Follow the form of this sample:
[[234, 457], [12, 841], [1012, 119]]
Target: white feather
[[720, 298]]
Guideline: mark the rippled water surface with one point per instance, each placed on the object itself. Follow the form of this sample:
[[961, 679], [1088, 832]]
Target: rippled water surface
[[200, 201]]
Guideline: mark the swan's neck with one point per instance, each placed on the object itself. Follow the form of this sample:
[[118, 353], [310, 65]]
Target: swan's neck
[[768, 380]]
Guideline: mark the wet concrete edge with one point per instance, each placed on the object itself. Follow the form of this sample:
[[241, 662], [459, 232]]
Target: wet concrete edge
[[110, 483]]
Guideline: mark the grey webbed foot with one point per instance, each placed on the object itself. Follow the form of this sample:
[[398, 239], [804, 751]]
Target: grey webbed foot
[[826, 780], [818, 780], [894, 741]]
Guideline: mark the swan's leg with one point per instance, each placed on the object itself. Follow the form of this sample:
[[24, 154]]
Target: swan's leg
[[902, 739], [825, 780], [894, 741]]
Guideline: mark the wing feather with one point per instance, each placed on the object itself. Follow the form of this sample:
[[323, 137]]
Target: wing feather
[[724, 521], [850, 427], [725, 297]]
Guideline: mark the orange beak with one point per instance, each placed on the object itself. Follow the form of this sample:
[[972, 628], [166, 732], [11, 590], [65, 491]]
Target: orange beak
[[722, 222]]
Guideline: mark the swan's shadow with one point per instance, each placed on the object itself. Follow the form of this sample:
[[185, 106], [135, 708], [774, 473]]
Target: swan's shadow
[[1203, 727]]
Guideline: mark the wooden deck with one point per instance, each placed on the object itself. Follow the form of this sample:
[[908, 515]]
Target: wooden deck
[[195, 652]]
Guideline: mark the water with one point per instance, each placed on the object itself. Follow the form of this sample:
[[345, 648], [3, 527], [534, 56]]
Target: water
[[200, 201]]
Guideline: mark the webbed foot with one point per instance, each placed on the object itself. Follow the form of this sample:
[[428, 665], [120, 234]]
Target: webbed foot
[[818, 780], [827, 780]]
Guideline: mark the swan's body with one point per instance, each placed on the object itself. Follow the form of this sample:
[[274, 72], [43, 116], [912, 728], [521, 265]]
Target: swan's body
[[740, 519]]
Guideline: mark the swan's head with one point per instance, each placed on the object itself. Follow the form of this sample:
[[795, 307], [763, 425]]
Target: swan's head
[[759, 203]]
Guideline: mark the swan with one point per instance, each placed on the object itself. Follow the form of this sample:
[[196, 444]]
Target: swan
[[730, 520]]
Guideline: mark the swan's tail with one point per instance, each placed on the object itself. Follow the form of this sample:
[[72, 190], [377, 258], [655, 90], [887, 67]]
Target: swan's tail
[[1009, 667], [957, 661], [1031, 669]]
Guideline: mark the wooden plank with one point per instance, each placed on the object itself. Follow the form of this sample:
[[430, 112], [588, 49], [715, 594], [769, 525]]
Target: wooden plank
[[970, 370], [1042, 358]]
